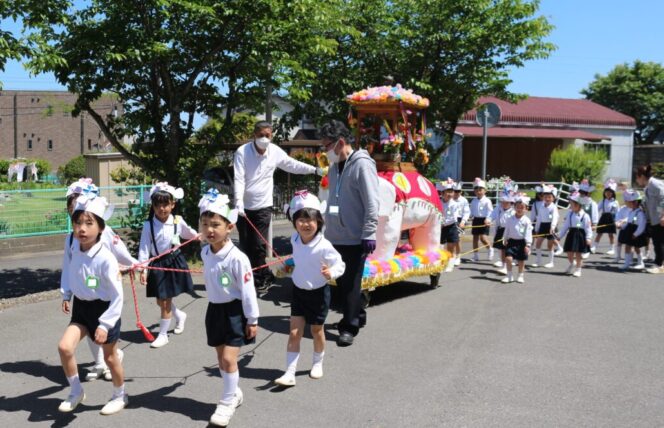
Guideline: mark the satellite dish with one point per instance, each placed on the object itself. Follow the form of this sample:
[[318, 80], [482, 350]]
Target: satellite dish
[[488, 115]]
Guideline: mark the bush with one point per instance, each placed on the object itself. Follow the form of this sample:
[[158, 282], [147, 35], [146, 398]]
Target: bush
[[575, 164], [72, 170], [658, 170], [133, 220], [43, 167], [4, 167]]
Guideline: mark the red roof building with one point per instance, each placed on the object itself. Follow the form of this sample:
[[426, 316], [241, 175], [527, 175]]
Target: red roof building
[[528, 131]]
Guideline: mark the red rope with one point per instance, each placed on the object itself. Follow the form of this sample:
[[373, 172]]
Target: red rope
[[148, 336], [265, 241]]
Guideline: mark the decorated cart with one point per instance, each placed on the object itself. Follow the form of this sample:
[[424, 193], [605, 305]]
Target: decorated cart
[[390, 123]]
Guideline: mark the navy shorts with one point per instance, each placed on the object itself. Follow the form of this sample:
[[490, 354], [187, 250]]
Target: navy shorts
[[479, 221], [498, 239], [225, 324], [87, 313], [313, 305], [545, 229], [516, 248], [449, 234]]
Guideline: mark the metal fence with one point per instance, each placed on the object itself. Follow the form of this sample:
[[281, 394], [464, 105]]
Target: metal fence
[[38, 212], [562, 199]]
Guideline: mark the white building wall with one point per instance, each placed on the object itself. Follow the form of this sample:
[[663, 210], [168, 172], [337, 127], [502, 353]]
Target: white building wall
[[620, 163]]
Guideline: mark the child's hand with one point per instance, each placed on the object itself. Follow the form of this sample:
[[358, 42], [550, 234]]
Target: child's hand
[[588, 242], [251, 331], [66, 306], [527, 250], [487, 222], [462, 224], [144, 277], [100, 336], [325, 271]]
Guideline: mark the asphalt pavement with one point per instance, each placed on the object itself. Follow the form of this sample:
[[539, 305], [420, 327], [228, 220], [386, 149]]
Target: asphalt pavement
[[555, 351]]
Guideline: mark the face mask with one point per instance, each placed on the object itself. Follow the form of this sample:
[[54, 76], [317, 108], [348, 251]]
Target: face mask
[[262, 142], [331, 156]]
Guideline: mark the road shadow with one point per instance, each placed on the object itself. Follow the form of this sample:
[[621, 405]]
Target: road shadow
[[159, 401], [39, 408], [23, 281]]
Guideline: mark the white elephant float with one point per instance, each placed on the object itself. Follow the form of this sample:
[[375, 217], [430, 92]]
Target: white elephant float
[[408, 201]]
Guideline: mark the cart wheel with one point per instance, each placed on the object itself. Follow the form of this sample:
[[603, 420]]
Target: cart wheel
[[366, 299], [434, 280]]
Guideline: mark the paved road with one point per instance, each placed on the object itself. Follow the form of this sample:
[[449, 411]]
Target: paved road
[[556, 351]]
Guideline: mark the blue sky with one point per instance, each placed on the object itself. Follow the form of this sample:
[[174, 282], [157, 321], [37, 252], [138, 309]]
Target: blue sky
[[592, 37]]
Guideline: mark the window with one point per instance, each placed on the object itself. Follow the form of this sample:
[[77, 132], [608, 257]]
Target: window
[[600, 147], [89, 144], [29, 144], [50, 145]]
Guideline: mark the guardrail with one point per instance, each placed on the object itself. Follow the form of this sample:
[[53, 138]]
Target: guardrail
[[562, 200]]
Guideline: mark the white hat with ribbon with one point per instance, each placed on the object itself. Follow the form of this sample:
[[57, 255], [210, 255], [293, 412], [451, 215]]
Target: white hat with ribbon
[[478, 182], [549, 189], [631, 195], [163, 186], [448, 184], [521, 197], [91, 202], [303, 199], [217, 203], [578, 198], [83, 184], [610, 184]]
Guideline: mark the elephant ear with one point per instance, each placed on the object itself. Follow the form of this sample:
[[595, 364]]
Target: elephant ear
[[387, 196]]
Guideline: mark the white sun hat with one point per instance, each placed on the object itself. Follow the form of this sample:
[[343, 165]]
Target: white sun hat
[[303, 199], [91, 202], [163, 186], [83, 184], [217, 203]]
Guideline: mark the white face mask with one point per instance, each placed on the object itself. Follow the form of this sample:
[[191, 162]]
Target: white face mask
[[331, 156], [262, 142]]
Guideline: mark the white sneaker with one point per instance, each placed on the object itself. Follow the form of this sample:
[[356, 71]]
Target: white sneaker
[[160, 341], [179, 325], [491, 254], [534, 265], [457, 261], [502, 270], [639, 266], [287, 379], [115, 405], [450, 266], [506, 280], [549, 265], [107, 372], [558, 251], [577, 273], [316, 371], [498, 264], [97, 372], [593, 249], [655, 270], [569, 270], [222, 416], [585, 255], [71, 403], [520, 279], [610, 252], [476, 258]]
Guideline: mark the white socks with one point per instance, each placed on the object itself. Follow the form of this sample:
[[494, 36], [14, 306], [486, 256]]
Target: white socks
[[230, 386], [178, 314], [539, 256], [291, 362], [318, 357], [119, 391], [628, 260], [551, 254], [164, 325], [97, 353], [75, 383]]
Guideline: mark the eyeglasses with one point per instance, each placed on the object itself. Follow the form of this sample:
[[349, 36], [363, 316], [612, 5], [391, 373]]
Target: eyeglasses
[[328, 146]]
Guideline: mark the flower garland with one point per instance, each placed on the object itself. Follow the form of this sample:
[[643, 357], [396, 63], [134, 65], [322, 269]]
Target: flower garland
[[405, 264], [387, 94]]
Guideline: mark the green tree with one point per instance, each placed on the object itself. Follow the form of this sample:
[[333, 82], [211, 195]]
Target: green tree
[[576, 163], [451, 51], [170, 60], [72, 170], [636, 90]]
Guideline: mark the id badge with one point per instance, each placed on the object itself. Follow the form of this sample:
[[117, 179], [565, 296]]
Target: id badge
[[334, 209], [578, 225], [550, 216], [92, 281], [175, 240], [224, 280]]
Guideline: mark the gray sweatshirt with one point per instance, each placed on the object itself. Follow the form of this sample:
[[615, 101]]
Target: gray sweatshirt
[[654, 200], [354, 197]]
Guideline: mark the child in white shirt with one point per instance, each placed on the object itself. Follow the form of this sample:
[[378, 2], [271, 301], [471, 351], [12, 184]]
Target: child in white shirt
[[578, 228], [316, 262], [232, 314], [633, 230], [480, 209], [518, 237]]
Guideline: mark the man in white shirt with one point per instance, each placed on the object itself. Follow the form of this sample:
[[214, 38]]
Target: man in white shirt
[[254, 165]]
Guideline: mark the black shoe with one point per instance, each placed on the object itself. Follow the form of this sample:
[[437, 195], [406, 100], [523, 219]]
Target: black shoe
[[262, 287], [345, 339]]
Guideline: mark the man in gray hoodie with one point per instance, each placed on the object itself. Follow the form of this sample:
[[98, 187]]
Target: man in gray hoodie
[[350, 220]]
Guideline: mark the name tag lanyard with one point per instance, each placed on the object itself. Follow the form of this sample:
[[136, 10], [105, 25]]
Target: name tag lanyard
[[92, 281], [341, 176]]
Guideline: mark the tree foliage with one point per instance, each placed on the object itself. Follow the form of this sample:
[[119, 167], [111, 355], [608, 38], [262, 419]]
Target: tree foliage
[[576, 163], [72, 170], [636, 90], [170, 60], [451, 51]]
